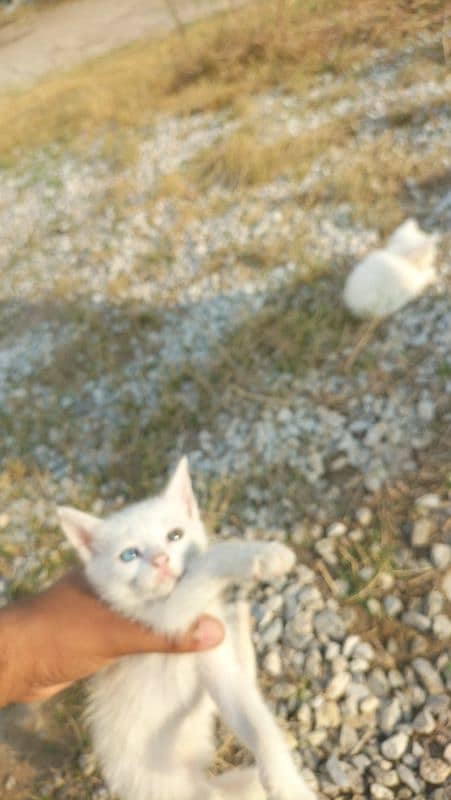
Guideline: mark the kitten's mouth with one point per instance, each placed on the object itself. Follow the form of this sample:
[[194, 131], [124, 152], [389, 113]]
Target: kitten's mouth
[[165, 573]]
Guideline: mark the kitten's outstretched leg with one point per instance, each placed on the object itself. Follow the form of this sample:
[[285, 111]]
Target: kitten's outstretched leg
[[244, 710], [238, 621], [210, 572]]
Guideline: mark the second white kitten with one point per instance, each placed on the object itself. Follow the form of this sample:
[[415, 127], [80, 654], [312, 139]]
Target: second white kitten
[[152, 716], [387, 279]]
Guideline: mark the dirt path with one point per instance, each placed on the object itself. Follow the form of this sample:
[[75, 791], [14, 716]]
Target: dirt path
[[58, 38]]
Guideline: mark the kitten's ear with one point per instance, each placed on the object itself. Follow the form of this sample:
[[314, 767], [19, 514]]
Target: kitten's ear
[[79, 529], [423, 254], [180, 490]]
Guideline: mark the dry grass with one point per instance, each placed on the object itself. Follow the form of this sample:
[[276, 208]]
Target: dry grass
[[294, 332], [243, 160], [374, 177], [216, 63]]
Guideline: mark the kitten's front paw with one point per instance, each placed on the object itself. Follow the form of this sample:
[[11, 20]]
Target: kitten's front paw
[[274, 560]]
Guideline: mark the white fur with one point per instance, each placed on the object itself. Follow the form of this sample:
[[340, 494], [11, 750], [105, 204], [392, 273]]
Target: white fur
[[389, 278], [152, 716]]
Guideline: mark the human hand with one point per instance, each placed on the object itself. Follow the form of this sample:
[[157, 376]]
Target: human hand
[[51, 640]]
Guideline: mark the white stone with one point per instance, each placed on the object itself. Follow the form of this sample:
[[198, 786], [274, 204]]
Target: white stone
[[446, 585], [422, 531], [336, 529], [272, 663], [441, 555], [441, 626], [380, 792], [338, 685], [364, 516], [395, 747]]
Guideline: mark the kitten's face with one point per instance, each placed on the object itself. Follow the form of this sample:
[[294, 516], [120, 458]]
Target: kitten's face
[[137, 555]]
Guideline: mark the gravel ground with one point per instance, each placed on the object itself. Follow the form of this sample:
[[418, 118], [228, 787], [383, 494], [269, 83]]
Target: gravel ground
[[108, 290]]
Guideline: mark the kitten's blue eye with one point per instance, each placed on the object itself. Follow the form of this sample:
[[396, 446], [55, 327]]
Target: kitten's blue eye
[[129, 554], [175, 535]]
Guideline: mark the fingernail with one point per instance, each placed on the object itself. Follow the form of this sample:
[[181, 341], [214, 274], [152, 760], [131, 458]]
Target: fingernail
[[208, 632]]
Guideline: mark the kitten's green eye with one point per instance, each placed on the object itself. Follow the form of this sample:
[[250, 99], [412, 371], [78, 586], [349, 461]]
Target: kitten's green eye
[[129, 554], [175, 535]]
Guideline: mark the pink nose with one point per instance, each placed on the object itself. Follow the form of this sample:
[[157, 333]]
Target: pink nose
[[160, 560]]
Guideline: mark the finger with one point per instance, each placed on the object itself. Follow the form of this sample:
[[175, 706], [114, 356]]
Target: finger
[[38, 695], [206, 633]]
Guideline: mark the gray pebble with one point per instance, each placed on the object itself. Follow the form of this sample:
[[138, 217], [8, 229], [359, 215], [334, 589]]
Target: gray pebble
[[336, 771], [328, 623], [416, 620], [409, 778], [424, 722], [428, 675], [392, 605]]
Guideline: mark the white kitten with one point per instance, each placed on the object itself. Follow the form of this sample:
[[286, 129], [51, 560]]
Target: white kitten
[[389, 278], [152, 716]]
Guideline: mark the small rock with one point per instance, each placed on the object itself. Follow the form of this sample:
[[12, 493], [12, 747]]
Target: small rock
[[422, 532], [446, 585], [369, 705], [328, 715], [416, 620], [426, 410], [318, 737], [4, 521], [447, 753], [434, 770], [395, 747], [438, 704], [336, 529], [357, 665], [408, 778], [348, 738], [349, 644], [363, 650], [424, 722], [328, 623], [273, 632], [364, 516], [428, 675], [326, 549], [441, 626], [380, 792], [434, 603], [441, 555], [396, 678], [11, 781], [374, 606], [428, 501], [338, 685], [272, 663], [378, 682], [336, 772], [393, 605], [304, 716]]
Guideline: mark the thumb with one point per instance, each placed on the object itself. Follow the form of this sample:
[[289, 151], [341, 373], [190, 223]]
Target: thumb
[[207, 632]]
